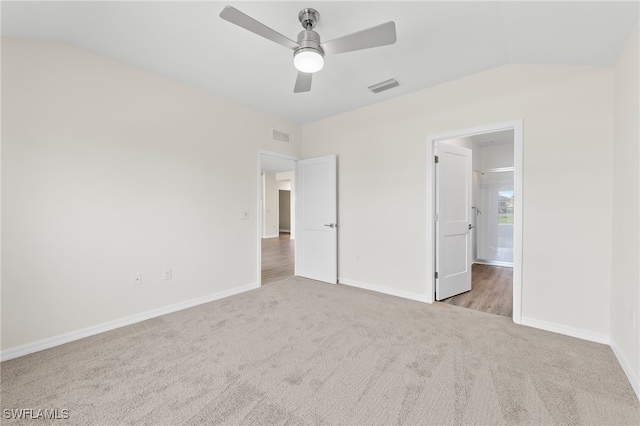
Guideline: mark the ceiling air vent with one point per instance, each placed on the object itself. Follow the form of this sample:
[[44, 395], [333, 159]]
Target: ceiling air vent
[[278, 135], [385, 85]]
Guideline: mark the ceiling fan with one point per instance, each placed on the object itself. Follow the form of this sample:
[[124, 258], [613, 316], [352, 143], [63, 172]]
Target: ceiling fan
[[309, 51]]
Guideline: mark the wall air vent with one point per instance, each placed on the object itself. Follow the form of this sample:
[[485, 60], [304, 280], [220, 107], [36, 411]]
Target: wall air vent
[[385, 85], [278, 135]]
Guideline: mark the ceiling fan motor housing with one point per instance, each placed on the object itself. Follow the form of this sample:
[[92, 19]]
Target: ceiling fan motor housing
[[309, 40]]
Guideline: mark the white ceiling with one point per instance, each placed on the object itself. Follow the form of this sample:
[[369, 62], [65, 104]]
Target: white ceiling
[[493, 138], [437, 42]]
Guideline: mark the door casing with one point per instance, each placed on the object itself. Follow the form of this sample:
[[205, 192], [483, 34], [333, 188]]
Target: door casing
[[517, 127]]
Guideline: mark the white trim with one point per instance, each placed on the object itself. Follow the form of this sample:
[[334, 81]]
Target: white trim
[[566, 330], [633, 380], [61, 339], [262, 152], [385, 290], [518, 142]]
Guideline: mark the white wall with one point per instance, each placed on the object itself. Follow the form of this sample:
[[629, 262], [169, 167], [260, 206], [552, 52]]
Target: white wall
[[486, 157], [272, 183], [625, 279], [568, 119], [283, 185], [271, 206], [494, 156], [462, 142], [109, 170]]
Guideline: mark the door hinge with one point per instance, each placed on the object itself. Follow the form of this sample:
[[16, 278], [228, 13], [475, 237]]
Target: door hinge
[[436, 217], [436, 275], [436, 159]]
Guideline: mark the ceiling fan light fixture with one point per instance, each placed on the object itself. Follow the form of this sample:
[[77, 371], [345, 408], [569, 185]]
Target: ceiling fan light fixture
[[308, 51], [308, 60]]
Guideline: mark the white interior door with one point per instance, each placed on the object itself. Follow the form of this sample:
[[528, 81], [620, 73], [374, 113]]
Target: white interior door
[[316, 247], [453, 226]]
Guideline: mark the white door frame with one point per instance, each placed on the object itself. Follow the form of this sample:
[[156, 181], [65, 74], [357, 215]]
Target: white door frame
[[517, 127], [262, 152]]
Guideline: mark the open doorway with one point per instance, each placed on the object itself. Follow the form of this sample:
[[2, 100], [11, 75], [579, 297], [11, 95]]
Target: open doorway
[[475, 230], [492, 219], [313, 223], [277, 213]]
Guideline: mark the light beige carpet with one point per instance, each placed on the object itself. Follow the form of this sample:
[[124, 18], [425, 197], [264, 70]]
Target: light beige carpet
[[302, 352]]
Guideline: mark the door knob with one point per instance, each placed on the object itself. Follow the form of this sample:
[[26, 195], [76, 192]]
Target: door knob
[[331, 225], [471, 226]]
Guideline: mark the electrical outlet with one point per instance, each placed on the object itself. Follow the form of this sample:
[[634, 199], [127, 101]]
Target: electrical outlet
[[166, 274], [357, 258], [137, 279]]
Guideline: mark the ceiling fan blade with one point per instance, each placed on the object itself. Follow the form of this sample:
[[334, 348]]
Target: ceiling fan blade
[[234, 16], [380, 35], [303, 82]]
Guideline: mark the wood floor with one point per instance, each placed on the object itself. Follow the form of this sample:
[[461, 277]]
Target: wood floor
[[491, 291], [277, 258]]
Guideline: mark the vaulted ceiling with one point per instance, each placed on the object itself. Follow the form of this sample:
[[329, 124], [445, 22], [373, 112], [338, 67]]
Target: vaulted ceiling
[[437, 42]]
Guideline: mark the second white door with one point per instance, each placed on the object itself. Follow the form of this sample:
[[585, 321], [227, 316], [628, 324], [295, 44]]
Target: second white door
[[453, 225], [316, 248]]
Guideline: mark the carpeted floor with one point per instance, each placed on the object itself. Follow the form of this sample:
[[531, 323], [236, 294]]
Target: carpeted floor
[[302, 352]]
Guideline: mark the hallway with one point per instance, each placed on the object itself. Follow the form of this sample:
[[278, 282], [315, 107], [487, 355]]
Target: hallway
[[277, 258]]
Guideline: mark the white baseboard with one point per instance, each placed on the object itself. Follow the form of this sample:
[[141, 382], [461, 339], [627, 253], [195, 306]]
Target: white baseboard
[[50, 342], [566, 330], [635, 383], [385, 290]]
